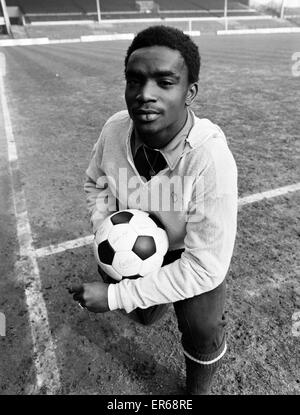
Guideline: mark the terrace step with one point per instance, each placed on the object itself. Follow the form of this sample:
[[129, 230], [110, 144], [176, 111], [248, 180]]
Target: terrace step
[[19, 32]]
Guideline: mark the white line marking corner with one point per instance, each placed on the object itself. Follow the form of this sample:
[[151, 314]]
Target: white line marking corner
[[2, 64], [47, 373]]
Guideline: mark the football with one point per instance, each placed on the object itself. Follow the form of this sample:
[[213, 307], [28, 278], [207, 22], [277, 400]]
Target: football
[[130, 244]]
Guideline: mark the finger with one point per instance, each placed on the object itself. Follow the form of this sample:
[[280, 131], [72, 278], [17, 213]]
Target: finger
[[78, 297], [75, 288]]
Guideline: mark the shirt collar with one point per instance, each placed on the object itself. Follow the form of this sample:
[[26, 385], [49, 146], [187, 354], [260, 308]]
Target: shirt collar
[[174, 149]]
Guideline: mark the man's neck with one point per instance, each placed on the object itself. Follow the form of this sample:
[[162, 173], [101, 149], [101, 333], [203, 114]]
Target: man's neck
[[154, 138]]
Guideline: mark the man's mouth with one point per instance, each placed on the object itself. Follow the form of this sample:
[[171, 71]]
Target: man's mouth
[[146, 115]]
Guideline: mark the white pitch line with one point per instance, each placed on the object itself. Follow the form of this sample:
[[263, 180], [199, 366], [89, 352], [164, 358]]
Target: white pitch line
[[86, 240], [269, 194], [47, 373], [296, 323], [64, 246]]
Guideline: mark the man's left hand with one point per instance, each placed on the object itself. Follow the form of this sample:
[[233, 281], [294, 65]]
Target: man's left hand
[[92, 296]]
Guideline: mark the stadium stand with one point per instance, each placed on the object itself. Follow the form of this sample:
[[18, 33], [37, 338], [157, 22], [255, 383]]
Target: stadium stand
[[293, 15], [199, 5], [45, 6], [108, 6], [71, 6], [45, 10], [63, 16], [2, 24]]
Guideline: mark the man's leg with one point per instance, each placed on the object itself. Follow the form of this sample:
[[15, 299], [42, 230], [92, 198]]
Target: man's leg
[[201, 322], [152, 314]]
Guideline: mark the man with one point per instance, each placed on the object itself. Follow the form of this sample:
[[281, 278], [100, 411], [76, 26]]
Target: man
[[160, 138]]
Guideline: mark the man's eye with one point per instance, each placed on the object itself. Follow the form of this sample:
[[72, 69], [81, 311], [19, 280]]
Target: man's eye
[[165, 83]]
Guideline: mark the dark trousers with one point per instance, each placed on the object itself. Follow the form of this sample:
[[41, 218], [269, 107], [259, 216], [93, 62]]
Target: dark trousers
[[201, 322]]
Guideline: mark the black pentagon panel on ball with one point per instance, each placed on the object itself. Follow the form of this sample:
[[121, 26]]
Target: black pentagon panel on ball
[[121, 217], [144, 247], [156, 220], [106, 252]]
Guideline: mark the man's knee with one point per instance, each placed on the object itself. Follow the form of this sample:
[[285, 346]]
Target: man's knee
[[150, 315], [201, 321], [208, 332]]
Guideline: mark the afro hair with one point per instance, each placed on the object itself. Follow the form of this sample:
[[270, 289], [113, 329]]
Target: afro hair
[[172, 38]]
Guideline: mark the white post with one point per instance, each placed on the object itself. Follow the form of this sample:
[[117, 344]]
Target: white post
[[6, 17], [98, 10], [225, 14], [282, 9], [190, 26]]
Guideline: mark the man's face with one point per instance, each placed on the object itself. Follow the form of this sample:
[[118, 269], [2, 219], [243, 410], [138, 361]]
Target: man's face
[[157, 91]]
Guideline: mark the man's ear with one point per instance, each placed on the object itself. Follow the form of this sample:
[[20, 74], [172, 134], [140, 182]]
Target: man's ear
[[191, 94]]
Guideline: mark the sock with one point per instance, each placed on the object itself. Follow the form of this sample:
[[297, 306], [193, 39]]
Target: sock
[[199, 376]]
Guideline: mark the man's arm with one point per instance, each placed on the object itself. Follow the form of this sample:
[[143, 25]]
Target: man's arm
[[209, 242]]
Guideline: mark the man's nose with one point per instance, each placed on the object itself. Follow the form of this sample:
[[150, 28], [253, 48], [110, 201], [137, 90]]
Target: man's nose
[[147, 92]]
